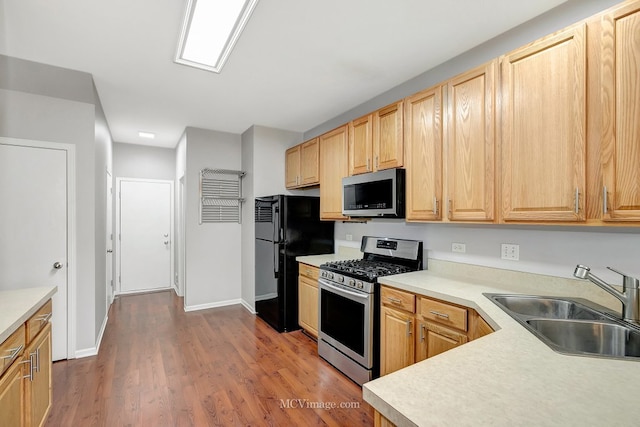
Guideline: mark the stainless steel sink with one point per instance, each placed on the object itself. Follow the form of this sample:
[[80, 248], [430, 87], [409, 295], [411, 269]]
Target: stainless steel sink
[[593, 338], [573, 326], [547, 307]]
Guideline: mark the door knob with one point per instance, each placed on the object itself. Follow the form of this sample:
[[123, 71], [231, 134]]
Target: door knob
[[109, 251], [57, 265], [166, 242]]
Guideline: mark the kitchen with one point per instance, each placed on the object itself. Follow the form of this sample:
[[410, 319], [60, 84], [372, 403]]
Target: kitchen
[[550, 250]]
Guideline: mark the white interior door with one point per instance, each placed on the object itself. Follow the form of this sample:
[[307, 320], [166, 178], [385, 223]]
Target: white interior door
[[33, 226], [145, 233]]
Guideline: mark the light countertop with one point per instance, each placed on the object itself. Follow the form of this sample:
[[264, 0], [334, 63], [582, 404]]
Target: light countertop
[[507, 378], [343, 254], [18, 305]]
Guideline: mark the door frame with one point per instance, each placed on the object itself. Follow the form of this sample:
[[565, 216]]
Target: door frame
[[70, 150], [119, 180], [109, 288]]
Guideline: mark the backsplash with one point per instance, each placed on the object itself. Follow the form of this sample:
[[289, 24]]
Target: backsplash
[[544, 250]]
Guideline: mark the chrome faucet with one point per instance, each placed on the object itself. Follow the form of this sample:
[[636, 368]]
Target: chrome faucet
[[630, 295]]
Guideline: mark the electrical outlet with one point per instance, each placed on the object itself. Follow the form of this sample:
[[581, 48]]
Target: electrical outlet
[[458, 247], [510, 251], [349, 237]]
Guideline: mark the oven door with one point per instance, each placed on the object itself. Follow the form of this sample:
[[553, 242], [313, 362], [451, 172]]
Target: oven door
[[346, 321]]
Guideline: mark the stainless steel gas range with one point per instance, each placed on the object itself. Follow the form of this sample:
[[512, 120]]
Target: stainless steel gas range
[[349, 304]]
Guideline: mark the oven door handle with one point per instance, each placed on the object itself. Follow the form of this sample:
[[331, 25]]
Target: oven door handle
[[343, 291]]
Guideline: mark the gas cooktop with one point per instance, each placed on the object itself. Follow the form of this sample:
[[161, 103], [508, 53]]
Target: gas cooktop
[[365, 269]]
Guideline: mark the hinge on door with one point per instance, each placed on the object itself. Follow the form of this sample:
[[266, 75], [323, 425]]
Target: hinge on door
[[119, 236], [119, 279]]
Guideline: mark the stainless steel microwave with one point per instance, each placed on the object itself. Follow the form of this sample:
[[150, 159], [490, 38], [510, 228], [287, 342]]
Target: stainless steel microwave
[[375, 194]]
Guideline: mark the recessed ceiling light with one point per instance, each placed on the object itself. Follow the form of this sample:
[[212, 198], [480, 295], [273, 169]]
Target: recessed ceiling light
[[210, 30], [147, 135]]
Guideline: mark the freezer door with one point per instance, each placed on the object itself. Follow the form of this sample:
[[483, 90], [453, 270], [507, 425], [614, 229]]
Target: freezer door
[[267, 215]]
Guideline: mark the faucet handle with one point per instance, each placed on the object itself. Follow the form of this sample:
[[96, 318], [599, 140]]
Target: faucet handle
[[627, 281]]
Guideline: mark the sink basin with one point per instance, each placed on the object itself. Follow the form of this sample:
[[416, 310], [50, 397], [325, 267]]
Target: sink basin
[[570, 326], [547, 307], [594, 338]]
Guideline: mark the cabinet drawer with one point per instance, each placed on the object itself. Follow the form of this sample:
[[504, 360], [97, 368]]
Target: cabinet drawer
[[39, 320], [398, 299], [444, 313], [308, 271], [11, 349]]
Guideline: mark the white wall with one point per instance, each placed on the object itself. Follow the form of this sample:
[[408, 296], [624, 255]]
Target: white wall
[[263, 159], [213, 255], [143, 162], [180, 206], [47, 103]]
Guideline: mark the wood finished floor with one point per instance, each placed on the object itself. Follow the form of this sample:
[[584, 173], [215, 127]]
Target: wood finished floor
[[160, 366]]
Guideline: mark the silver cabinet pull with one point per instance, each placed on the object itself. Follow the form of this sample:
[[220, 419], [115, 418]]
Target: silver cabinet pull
[[44, 318], [409, 323], [436, 313], [450, 203], [368, 163], [14, 352], [422, 328], [377, 165], [577, 200], [31, 366], [604, 200], [435, 205], [394, 300], [38, 359]]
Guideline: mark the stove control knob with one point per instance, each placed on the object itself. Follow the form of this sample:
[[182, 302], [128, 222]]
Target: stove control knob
[[330, 275], [340, 279], [359, 284], [352, 282]]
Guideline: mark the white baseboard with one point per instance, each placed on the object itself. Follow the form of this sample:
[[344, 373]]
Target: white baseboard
[[266, 296], [249, 307], [144, 291], [177, 290], [212, 305], [93, 351]]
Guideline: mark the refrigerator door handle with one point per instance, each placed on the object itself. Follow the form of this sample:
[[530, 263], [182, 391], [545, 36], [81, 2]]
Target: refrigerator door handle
[[276, 259], [276, 223]]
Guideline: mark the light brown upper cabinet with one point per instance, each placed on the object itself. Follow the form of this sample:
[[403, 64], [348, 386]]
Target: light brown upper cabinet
[[544, 129], [620, 71], [361, 145], [292, 167], [334, 158], [302, 165], [470, 145], [376, 140], [423, 162]]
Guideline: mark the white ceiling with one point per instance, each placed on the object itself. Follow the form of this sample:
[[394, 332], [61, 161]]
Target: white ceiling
[[297, 64]]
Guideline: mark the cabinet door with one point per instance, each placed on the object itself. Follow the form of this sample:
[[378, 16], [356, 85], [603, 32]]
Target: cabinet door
[[38, 389], [361, 145], [434, 339], [334, 158], [310, 162], [396, 340], [621, 115], [469, 145], [388, 141], [292, 167], [308, 305], [12, 397], [423, 163], [543, 129]]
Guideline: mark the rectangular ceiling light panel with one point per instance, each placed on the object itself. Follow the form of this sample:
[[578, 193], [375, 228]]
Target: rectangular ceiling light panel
[[210, 30]]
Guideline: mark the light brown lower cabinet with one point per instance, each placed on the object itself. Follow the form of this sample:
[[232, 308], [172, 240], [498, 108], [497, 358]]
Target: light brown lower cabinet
[[25, 386], [308, 298], [415, 327], [379, 420]]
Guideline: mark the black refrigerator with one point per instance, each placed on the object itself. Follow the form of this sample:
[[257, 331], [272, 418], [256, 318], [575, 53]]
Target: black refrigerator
[[286, 227]]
